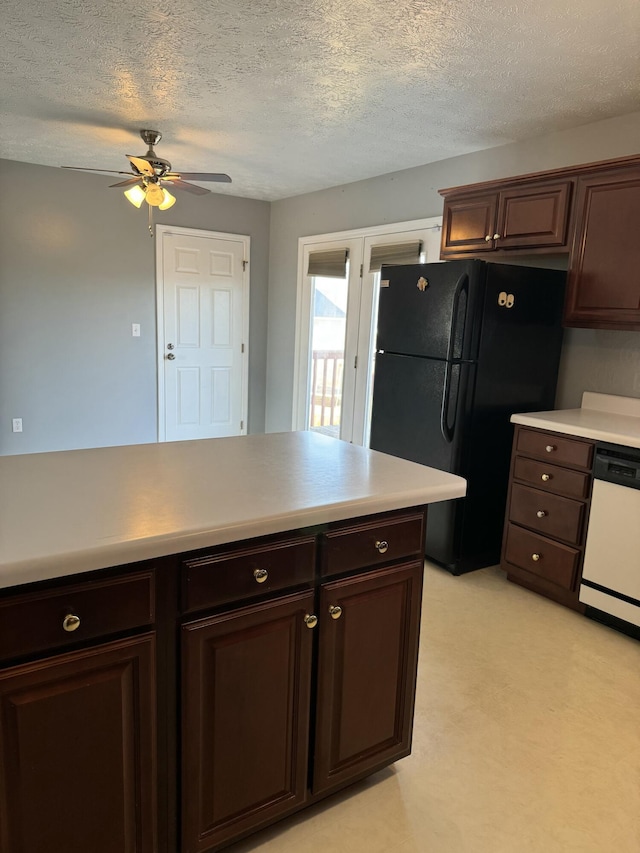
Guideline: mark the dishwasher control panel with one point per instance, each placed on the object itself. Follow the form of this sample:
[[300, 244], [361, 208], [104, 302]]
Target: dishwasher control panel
[[617, 464]]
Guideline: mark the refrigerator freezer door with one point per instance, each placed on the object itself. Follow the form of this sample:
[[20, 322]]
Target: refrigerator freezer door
[[428, 309]]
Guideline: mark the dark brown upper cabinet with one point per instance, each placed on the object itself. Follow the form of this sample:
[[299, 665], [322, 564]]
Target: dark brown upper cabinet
[[590, 211], [603, 288], [527, 217]]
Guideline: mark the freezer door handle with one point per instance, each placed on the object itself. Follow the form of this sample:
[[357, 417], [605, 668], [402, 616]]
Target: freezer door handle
[[447, 429]]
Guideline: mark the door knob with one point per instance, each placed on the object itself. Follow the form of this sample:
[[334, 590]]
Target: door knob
[[171, 356]]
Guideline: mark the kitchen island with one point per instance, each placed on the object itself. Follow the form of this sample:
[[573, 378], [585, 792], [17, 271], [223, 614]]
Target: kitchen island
[[200, 638]]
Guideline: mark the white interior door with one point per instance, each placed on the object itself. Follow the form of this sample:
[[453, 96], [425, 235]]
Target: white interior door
[[202, 331]]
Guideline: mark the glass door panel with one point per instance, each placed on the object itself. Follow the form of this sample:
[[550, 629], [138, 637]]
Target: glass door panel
[[328, 332]]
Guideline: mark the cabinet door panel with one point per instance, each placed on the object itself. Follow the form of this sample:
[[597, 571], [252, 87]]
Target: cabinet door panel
[[366, 673], [603, 288], [466, 223], [246, 686], [77, 752], [534, 217]]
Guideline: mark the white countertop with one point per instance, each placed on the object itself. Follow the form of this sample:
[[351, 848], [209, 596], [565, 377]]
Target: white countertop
[[80, 510], [602, 417]]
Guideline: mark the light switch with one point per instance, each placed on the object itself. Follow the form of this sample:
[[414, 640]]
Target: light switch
[[135, 330]]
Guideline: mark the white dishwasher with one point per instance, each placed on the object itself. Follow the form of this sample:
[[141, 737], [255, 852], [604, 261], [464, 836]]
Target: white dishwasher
[[610, 584]]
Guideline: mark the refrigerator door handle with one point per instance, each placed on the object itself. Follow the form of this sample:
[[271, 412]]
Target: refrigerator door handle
[[447, 430], [462, 286]]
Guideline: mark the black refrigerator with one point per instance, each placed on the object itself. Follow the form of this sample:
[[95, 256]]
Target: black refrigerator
[[461, 346]]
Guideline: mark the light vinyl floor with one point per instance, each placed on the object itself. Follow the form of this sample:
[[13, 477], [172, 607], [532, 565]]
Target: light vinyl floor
[[526, 738]]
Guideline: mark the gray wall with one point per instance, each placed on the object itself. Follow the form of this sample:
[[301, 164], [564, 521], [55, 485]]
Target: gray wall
[[77, 268], [597, 361]]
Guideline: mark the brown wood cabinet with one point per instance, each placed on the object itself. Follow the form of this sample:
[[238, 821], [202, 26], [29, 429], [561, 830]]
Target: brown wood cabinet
[[245, 727], [589, 211], [368, 654], [603, 287], [77, 751], [547, 512], [520, 217], [286, 669]]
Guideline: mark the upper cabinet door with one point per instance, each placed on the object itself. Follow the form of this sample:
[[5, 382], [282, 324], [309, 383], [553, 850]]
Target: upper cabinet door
[[603, 288], [534, 217], [468, 225]]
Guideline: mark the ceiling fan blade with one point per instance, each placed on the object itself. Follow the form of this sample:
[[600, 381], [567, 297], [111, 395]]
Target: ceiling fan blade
[[219, 177], [126, 183], [179, 184], [141, 165], [107, 171]]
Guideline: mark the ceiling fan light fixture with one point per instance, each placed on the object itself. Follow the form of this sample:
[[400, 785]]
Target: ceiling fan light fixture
[[155, 195], [168, 200], [136, 195]]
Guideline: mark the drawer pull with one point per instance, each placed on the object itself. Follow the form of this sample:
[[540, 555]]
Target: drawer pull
[[71, 622], [545, 478], [382, 546], [335, 611], [550, 448], [260, 575], [311, 620], [536, 557], [542, 513]]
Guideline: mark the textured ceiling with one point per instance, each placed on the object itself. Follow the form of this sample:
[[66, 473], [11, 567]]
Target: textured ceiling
[[289, 96]]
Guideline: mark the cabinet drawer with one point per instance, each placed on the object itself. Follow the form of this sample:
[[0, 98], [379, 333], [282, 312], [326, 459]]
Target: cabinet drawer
[[550, 478], [549, 514], [555, 447], [362, 545], [234, 576], [35, 622], [551, 560]]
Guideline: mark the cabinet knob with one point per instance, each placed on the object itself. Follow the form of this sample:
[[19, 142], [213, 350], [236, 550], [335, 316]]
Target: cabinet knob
[[541, 513], [536, 557], [335, 611], [550, 448], [310, 620], [260, 575], [487, 238], [71, 622], [382, 546], [496, 236], [545, 478]]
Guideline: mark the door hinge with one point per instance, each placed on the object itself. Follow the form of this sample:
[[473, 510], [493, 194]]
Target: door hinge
[[244, 265], [361, 270], [355, 363], [241, 347], [241, 425]]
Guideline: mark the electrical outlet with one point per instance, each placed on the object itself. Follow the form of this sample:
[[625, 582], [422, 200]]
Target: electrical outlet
[[17, 424], [135, 330]]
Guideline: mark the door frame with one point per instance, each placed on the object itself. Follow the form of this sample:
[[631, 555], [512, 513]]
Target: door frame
[[160, 231], [303, 309]]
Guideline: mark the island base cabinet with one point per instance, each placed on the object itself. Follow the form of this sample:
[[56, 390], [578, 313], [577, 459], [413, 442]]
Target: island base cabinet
[[367, 661], [246, 694], [77, 751]]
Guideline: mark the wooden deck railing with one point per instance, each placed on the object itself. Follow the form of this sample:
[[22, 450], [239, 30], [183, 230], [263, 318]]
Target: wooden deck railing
[[326, 388]]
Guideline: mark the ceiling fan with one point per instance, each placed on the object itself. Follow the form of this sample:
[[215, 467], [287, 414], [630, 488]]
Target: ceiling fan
[[150, 175]]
